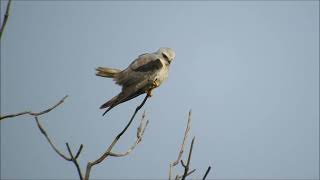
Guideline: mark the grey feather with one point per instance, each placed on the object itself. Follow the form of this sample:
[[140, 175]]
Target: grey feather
[[150, 66], [107, 72]]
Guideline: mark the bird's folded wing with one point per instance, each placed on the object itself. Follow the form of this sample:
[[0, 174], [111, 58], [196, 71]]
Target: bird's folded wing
[[143, 67], [131, 92], [146, 63]]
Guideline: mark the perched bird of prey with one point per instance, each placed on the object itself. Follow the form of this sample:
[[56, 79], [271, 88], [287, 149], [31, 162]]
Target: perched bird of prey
[[144, 74]]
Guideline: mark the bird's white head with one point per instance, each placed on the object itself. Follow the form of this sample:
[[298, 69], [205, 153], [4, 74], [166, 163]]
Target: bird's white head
[[167, 53]]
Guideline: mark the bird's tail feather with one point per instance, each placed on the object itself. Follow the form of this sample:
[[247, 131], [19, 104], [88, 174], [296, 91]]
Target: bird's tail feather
[[107, 110], [118, 99], [109, 103], [107, 72]]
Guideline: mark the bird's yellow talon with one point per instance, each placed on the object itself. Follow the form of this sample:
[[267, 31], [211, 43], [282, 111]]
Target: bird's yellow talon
[[149, 92], [155, 84]]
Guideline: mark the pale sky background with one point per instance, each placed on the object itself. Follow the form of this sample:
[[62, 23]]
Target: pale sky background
[[248, 69]]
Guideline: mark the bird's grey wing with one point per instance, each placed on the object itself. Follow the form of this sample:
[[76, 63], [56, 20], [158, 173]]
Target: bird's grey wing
[[127, 94], [144, 60], [145, 65]]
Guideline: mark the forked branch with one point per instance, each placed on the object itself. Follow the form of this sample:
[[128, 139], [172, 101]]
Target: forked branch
[[74, 158], [36, 116], [186, 166], [34, 113], [71, 157], [185, 137], [109, 149], [140, 131]]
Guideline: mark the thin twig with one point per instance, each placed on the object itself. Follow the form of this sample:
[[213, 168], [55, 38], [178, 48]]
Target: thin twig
[[183, 164], [184, 140], [71, 158], [5, 19], [74, 159], [186, 167], [140, 132], [45, 134], [185, 137], [34, 113], [79, 151], [170, 171], [207, 172], [190, 172], [107, 152], [49, 140]]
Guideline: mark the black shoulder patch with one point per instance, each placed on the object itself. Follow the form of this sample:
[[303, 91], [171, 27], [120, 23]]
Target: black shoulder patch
[[150, 66]]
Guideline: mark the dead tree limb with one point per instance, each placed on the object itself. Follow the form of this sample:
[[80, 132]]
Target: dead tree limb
[[72, 158], [189, 173], [45, 134], [185, 137], [5, 19], [140, 132], [34, 113], [187, 166], [90, 164], [184, 140], [207, 172]]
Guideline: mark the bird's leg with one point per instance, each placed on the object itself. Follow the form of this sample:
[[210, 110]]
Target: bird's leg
[[149, 92], [155, 83]]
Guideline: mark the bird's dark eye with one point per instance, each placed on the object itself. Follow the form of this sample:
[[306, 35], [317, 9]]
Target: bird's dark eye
[[166, 57]]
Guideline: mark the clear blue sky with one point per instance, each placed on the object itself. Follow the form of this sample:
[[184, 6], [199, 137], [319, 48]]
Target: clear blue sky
[[248, 69]]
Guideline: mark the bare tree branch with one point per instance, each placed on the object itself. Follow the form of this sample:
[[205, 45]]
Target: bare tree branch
[[49, 140], [34, 113], [5, 19], [79, 151], [45, 134], [183, 164], [190, 172], [140, 132], [184, 141], [170, 171], [186, 167], [74, 159], [108, 151], [207, 172], [177, 177]]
